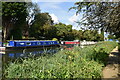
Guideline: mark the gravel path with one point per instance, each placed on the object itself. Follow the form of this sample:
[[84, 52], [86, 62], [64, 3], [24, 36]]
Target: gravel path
[[111, 71]]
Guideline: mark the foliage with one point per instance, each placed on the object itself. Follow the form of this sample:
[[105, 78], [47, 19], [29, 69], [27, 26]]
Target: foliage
[[119, 47], [77, 63], [13, 14], [63, 31], [18, 34], [119, 39], [42, 26], [100, 15], [89, 35], [55, 39], [17, 18], [25, 20], [111, 37], [32, 10], [92, 35]]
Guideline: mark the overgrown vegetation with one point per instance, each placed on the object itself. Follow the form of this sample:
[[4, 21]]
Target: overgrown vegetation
[[119, 44], [100, 15], [84, 62]]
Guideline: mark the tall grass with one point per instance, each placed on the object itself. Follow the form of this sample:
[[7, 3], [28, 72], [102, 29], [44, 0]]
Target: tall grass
[[84, 62], [119, 46]]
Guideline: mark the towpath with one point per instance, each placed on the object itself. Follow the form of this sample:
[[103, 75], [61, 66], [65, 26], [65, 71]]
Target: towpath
[[112, 69], [0, 66]]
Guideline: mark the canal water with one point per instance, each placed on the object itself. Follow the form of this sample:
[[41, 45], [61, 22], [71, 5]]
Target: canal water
[[11, 55]]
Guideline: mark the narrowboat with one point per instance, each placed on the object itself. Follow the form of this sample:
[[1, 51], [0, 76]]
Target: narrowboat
[[32, 43], [18, 45], [70, 44]]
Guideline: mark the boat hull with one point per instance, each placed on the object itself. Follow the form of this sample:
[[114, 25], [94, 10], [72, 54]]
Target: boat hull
[[21, 45]]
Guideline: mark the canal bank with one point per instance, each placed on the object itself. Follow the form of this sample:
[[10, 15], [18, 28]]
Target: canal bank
[[10, 56], [79, 62]]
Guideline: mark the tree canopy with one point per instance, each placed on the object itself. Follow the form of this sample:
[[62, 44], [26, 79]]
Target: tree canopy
[[42, 22], [13, 15], [100, 15], [16, 18], [25, 20]]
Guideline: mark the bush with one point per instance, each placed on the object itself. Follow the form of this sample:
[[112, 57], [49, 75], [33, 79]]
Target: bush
[[54, 39], [119, 46], [77, 63]]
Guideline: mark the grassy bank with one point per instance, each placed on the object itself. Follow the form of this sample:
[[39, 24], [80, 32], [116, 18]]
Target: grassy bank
[[119, 46], [77, 63]]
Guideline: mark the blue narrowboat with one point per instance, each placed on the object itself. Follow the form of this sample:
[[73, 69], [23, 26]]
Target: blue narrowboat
[[32, 43]]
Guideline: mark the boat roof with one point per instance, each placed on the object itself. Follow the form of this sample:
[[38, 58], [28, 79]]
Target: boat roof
[[32, 41]]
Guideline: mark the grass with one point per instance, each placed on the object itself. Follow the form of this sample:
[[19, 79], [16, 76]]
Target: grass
[[119, 46], [84, 62]]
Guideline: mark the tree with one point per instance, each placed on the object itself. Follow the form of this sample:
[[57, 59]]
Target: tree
[[100, 15], [41, 21], [76, 34], [63, 31], [49, 31], [111, 37], [89, 35], [13, 15], [32, 10]]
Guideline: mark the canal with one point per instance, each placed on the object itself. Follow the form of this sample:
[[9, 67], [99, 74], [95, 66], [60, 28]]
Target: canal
[[11, 55]]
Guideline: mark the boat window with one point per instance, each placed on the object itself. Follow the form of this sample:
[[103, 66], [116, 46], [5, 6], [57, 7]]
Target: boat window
[[21, 43], [39, 43], [28, 43]]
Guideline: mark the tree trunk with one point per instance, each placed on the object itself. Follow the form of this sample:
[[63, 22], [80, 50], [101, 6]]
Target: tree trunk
[[6, 30], [4, 34]]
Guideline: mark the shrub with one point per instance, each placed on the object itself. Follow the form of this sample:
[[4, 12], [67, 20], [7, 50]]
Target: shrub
[[54, 39], [119, 46], [77, 63]]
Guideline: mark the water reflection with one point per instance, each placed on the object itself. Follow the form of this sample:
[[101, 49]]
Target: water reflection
[[25, 53]]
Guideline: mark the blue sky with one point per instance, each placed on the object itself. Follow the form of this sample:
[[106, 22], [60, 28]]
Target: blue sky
[[59, 12]]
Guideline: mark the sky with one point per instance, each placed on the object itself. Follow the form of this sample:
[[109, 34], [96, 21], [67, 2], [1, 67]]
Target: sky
[[59, 11]]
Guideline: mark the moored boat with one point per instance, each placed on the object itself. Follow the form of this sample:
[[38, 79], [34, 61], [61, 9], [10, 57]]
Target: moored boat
[[18, 45], [70, 44], [32, 43]]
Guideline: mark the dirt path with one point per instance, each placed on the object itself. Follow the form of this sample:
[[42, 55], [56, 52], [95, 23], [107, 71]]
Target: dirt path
[[113, 66]]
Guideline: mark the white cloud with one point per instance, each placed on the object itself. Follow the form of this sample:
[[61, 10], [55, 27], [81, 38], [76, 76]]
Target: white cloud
[[54, 18], [74, 18], [50, 5]]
